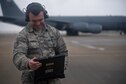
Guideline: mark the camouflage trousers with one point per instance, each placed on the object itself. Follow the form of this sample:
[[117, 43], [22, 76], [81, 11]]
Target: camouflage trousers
[[54, 81]]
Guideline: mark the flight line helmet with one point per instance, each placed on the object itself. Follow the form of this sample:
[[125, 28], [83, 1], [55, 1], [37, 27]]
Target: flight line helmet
[[35, 8]]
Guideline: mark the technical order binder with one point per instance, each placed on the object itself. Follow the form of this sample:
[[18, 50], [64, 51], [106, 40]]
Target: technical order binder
[[52, 67]]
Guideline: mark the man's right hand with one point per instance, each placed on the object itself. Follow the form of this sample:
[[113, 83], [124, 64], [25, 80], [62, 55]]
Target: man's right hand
[[34, 65]]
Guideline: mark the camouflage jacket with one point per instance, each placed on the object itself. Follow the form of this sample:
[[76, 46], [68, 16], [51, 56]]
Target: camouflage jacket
[[31, 44]]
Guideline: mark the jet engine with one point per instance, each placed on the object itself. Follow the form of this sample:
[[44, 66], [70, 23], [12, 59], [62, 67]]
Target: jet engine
[[86, 28]]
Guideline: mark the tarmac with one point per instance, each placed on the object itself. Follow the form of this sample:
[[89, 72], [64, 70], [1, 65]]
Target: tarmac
[[93, 59]]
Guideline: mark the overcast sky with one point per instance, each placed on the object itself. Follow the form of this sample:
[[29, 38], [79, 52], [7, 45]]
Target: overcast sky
[[80, 7]]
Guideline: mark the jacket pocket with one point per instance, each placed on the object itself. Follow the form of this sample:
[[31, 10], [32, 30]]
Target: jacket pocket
[[33, 49], [50, 42]]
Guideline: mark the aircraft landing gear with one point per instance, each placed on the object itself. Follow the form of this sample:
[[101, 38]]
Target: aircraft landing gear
[[122, 33], [72, 32]]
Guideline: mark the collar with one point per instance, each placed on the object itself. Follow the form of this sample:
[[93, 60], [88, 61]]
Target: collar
[[29, 27]]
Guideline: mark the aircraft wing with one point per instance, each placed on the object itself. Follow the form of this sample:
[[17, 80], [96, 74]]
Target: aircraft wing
[[12, 20], [73, 28], [6, 19], [61, 25]]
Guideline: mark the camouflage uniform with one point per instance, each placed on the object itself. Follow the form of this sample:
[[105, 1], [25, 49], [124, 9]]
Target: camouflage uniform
[[30, 43]]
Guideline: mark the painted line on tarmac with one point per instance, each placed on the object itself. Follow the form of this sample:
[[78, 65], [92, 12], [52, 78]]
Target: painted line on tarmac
[[87, 46]]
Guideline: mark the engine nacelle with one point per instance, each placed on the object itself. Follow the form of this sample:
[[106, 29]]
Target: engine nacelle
[[95, 28], [86, 28]]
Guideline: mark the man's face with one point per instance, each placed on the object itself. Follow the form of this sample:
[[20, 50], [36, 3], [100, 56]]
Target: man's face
[[37, 21]]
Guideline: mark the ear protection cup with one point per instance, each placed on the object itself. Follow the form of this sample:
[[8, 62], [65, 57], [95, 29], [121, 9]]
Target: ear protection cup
[[35, 8]]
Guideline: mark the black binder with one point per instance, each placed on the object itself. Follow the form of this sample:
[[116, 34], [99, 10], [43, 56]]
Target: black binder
[[52, 67]]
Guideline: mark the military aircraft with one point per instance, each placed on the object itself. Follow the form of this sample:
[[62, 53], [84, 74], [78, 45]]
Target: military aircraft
[[72, 24]]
